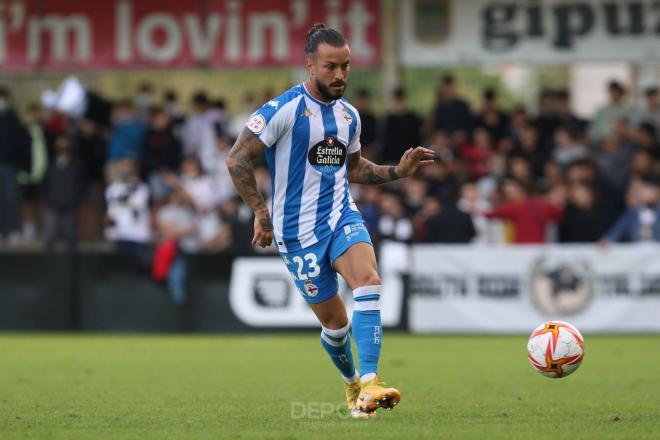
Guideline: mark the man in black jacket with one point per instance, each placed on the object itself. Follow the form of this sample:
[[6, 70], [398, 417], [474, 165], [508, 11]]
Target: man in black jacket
[[401, 128], [450, 226], [14, 147], [62, 192], [451, 114]]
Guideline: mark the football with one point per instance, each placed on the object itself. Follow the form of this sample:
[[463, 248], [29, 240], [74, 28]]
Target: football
[[555, 349]]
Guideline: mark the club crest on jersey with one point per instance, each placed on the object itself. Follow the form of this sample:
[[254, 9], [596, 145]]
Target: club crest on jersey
[[327, 156], [311, 289], [347, 117], [256, 124]]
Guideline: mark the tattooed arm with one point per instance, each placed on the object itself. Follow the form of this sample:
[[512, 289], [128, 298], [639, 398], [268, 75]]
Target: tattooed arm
[[361, 170], [239, 162]]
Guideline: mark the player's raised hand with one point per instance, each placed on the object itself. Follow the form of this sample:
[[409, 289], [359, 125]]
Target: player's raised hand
[[263, 229], [413, 158]]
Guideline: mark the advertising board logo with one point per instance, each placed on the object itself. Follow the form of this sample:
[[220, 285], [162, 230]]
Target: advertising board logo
[[432, 21], [263, 294], [560, 286], [272, 290]]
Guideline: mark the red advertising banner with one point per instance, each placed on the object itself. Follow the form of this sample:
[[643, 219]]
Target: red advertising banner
[[84, 34]]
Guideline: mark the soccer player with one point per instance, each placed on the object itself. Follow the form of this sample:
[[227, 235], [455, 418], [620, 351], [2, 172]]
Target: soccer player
[[310, 137]]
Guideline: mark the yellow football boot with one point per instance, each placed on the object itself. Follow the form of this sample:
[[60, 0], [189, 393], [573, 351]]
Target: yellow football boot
[[374, 395], [352, 393]]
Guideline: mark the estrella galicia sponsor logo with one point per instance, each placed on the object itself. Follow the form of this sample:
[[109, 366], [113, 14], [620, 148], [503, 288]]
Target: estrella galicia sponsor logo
[[327, 156], [561, 287]]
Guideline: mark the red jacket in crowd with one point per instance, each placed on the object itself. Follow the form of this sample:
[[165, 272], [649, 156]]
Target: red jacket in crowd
[[529, 218]]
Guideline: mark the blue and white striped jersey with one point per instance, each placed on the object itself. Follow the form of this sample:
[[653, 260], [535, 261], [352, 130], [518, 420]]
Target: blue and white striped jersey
[[308, 143]]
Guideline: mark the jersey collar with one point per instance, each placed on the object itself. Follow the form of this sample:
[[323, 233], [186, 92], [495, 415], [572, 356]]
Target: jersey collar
[[318, 101]]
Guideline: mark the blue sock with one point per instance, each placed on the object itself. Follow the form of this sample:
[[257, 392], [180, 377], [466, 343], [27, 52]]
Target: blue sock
[[367, 329], [338, 345]]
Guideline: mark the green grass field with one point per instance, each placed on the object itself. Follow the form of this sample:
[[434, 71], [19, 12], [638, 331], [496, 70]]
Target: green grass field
[[273, 387]]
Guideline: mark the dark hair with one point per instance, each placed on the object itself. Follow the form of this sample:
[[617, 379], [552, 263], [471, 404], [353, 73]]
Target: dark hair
[[648, 128], [124, 103], [155, 110], [399, 92], [519, 109], [649, 180], [318, 34], [145, 86], [490, 94], [170, 95], [363, 93], [616, 86], [584, 162], [33, 107], [193, 160], [200, 98], [572, 130], [546, 93], [527, 188]]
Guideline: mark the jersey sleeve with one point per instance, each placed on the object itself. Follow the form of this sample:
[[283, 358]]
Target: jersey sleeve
[[354, 146], [272, 120]]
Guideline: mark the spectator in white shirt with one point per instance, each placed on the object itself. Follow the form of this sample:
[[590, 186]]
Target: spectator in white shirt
[[239, 120], [200, 193], [650, 114], [224, 187], [201, 129], [128, 210], [199, 187]]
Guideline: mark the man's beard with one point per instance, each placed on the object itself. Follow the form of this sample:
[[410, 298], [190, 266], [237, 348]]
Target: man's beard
[[327, 94]]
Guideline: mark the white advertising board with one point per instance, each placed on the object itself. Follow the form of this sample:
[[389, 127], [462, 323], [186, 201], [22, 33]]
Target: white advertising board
[[440, 32], [472, 289]]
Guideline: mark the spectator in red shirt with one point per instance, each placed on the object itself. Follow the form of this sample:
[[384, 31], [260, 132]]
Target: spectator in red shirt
[[529, 215], [476, 154]]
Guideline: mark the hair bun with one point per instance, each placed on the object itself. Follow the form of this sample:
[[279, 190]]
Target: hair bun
[[320, 33], [316, 27]]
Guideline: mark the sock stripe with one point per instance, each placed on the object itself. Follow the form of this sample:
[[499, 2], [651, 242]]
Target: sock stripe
[[368, 298], [338, 333], [338, 346], [366, 290], [339, 339], [333, 342], [335, 338], [363, 306]]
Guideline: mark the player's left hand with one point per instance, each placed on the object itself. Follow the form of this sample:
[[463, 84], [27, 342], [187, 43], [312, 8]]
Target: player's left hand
[[263, 229], [413, 158]]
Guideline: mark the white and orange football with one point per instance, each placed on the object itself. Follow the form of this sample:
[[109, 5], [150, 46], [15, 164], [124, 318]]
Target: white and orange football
[[555, 349]]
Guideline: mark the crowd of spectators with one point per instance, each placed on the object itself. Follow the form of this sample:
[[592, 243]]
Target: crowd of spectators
[[141, 172], [518, 176]]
